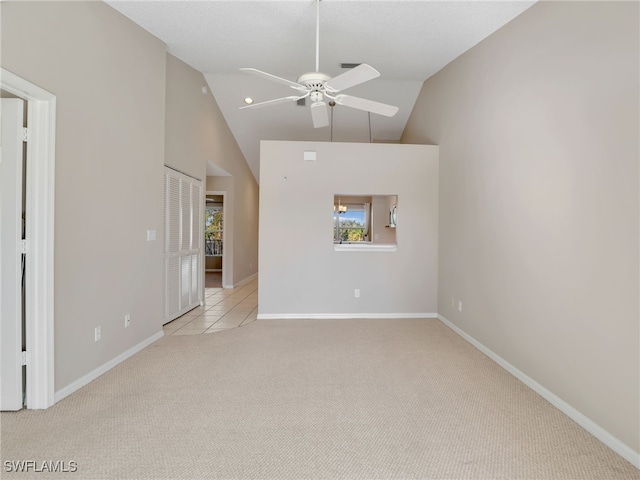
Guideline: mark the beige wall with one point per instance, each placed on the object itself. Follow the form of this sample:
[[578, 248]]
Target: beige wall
[[186, 107], [539, 216], [109, 79], [301, 273], [196, 130], [124, 108], [245, 230]]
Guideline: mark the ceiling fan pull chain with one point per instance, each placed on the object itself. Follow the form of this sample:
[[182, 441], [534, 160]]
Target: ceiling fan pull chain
[[331, 118]]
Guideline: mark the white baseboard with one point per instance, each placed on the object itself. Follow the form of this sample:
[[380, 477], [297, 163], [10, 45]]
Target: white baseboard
[[340, 316], [589, 425], [89, 377], [244, 281]]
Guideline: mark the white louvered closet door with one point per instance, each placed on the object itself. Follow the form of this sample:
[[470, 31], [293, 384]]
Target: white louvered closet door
[[183, 252]]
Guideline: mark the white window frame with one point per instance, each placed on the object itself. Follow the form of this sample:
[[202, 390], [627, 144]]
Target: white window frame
[[357, 207]]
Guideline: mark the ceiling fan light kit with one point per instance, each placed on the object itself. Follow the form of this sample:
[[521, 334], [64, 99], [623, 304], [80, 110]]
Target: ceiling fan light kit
[[317, 85], [319, 114]]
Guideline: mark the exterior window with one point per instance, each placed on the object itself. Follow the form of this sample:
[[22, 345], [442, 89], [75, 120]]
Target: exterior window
[[351, 220], [349, 226], [213, 223]]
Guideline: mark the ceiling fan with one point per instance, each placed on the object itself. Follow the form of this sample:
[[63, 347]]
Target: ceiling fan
[[318, 86]]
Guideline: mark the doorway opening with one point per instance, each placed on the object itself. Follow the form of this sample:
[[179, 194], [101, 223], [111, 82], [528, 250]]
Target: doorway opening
[[214, 239], [35, 350]]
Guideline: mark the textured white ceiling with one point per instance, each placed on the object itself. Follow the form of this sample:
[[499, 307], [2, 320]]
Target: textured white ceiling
[[407, 41]]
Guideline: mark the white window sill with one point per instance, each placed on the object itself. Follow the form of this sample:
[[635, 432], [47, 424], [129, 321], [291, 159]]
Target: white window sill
[[365, 247]]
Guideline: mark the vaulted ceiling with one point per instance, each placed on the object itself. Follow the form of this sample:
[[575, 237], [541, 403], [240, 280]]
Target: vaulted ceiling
[[406, 41]]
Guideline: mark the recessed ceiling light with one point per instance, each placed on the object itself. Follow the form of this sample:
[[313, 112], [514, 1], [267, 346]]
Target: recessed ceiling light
[[248, 100]]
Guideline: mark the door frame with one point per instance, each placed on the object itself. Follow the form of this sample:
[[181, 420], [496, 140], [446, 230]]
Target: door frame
[[40, 197]]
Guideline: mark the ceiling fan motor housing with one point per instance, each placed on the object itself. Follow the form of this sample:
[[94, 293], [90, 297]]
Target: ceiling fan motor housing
[[314, 81]]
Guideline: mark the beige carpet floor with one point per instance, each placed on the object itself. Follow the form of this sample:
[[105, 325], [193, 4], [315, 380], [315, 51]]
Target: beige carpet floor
[[295, 399]]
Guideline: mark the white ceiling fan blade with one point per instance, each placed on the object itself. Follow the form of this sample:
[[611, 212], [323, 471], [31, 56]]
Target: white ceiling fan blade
[[367, 105], [319, 115], [273, 102], [360, 74], [273, 78]]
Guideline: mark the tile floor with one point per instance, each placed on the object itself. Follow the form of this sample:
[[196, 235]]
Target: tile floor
[[223, 309]]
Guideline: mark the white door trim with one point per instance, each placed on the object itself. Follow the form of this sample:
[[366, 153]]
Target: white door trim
[[224, 233], [41, 110]]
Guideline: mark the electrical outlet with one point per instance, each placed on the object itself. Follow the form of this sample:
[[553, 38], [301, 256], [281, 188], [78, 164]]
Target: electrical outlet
[[98, 334], [460, 306], [127, 320], [356, 293]]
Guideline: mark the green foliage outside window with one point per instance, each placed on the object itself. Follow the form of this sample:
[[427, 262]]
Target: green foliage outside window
[[213, 226], [350, 230]]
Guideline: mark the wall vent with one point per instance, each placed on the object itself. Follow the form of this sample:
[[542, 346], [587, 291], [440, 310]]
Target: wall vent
[[349, 65]]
